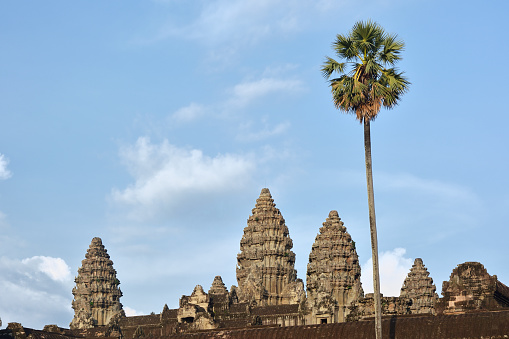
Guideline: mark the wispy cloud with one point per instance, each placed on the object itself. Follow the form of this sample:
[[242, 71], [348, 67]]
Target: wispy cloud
[[436, 188], [165, 175], [245, 22], [406, 199], [245, 93], [452, 206], [239, 21], [394, 268], [4, 171], [239, 97], [247, 134], [189, 113], [36, 288]]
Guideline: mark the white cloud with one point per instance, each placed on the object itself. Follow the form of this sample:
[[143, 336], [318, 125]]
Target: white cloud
[[130, 312], [189, 113], [237, 21], [240, 97], [394, 268], [266, 132], [4, 172], [247, 92], [55, 268], [166, 175], [35, 291], [245, 22]]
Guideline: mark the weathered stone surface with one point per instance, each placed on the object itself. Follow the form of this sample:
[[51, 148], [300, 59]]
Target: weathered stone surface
[[193, 313], [17, 331], [470, 287], [266, 275], [419, 288], [364, 308], [219, 298], [475, 325], [333, 272], [218, 286], [265, 264], [96, 295]]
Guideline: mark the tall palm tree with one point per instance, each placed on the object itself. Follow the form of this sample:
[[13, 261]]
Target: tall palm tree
[[367, 81]]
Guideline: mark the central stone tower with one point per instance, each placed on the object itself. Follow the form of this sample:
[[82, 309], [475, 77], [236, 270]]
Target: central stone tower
[[96, 295], [265, 264]]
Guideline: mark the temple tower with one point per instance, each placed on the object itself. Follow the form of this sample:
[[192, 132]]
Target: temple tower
[[420, 289], [265, 264], [219, 297], [218, 286], [96, 295], [471, 288], [333, 273]]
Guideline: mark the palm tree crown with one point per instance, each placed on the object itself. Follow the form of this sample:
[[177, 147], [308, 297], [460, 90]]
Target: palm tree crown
[[367, 77]]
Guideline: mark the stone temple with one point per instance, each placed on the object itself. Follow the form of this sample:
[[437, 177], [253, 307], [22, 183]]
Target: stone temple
[[270, 300], [96, 295], [334, 273], [265, 271]]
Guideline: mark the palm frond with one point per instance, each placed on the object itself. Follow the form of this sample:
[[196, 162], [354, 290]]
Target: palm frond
[[392, 47], [345, 48], [332, 66], [368, 85]]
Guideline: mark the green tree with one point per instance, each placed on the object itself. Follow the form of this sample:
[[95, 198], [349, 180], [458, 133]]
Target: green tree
[[367, 81]]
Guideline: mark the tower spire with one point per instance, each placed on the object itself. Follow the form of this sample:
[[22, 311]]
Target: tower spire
[[96, 294], [265, 264], [333, 272]]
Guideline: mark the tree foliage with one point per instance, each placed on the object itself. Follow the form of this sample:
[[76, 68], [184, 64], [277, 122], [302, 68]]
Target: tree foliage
[[367, 78]]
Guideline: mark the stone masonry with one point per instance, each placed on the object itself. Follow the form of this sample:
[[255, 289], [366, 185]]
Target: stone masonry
[[471, 287], [333, 273], [96, 295], [265, 264], [270, 296], [419, 288]]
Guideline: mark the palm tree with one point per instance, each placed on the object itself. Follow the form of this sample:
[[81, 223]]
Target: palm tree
[[367, 81]]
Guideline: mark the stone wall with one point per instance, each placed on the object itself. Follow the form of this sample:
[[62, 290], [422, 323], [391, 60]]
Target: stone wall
[[477, 325]]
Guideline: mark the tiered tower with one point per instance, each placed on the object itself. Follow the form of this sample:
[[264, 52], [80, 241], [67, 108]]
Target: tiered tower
[[265, 264], [420, 289], [219, 297], [218, 286], [471, 287], [333, 276], [96, 295]]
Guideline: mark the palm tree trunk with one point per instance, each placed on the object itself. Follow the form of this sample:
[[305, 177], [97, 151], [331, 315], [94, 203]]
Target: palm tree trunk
[[372, 227]]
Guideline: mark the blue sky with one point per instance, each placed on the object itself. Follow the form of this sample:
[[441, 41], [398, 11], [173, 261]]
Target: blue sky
[[155, 124]]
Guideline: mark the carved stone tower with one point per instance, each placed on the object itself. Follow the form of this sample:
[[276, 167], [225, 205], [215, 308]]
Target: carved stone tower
[[471, 287], [218, 286], [96, 295], [265, 264], [419, 288], [333, 276]]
